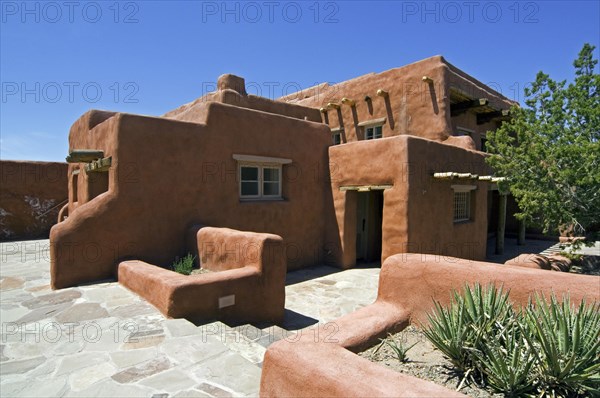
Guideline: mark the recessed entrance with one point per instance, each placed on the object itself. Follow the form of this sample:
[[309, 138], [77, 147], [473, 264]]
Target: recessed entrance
[[369, 218]]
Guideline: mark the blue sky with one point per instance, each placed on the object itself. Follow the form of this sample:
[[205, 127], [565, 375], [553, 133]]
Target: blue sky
[[59, 59]]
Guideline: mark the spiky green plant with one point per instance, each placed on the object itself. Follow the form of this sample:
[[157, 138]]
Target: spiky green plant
[[399, 348], [184, 265], [549, 348], [568, 346], [506, 361], [459, 329]]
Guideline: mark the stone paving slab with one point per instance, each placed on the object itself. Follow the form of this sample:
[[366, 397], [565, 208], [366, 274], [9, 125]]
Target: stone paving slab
[[101, 340]]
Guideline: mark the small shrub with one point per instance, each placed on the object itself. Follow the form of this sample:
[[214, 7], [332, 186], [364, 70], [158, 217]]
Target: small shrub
[[184, 265], [399, 348]]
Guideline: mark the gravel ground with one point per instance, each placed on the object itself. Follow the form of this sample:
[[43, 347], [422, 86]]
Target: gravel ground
[[424, 361]]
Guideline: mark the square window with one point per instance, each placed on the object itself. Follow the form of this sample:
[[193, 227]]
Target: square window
[[259, 181], [337, 138], [374, 132]]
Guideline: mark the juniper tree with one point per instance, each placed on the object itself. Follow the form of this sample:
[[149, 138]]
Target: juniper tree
[[550, 150]]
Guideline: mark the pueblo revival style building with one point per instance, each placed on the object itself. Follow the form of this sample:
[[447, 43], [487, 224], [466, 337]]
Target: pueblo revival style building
[[357, 171]]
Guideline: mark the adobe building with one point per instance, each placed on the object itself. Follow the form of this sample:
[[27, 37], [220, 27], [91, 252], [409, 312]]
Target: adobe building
[[358, 171], [31, 196]]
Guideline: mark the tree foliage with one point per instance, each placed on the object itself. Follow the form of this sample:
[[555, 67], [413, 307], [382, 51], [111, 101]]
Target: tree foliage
[[550, 150]]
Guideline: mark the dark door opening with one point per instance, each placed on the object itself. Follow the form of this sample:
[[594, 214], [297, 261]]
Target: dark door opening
[[369, 218]]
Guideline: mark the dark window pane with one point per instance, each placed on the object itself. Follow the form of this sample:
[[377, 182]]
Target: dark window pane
[[378, 132], [249, 188], [249, 173], [271, 188], [270, 174]]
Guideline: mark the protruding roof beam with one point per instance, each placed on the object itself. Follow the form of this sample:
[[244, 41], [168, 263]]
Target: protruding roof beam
[[348, 101], [462, 107], [84, 155], [489, 116]]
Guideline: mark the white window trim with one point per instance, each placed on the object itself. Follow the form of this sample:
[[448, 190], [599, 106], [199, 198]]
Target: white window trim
[[260, 162], [261, 159], [374, 126]]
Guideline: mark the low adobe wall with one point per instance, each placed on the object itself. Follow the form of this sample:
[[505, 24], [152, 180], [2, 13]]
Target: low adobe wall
[[247, 285], [31, 195], [408, 285]]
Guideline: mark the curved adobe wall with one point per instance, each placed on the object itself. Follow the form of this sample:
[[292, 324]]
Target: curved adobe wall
[[31, 196], [320, 363], [167, 175]]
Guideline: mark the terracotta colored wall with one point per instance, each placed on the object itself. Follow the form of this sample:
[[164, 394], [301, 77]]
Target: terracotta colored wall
[[319, 362], [231, 90], [167, 175], [431, 226], [249, 273], [31, 195], [413, 107], [417, 210]]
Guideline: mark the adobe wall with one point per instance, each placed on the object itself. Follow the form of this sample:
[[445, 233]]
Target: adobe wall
[[423, 223], [231, 90], [320, 362], [31, 195], [413, 107], [168, 175], [431, 226]]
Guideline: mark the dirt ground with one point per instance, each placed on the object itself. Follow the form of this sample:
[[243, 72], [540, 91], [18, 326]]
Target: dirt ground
[[425, 362]]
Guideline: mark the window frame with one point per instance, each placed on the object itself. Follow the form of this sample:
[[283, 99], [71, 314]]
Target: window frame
[[261, 163], [373, 128], [466, 192]]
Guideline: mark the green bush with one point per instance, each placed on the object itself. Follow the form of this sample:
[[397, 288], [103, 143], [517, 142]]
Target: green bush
[[549, 348], [184, 265]]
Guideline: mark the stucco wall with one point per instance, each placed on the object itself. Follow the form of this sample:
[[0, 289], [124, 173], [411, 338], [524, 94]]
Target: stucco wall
[[31, 195], [167, 175], [412, 107], [417, 209]]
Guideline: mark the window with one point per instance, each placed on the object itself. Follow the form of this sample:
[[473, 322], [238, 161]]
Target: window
[[462, 206], [74, 184], [462, 203], [373, 132], [259, 181], [260, 176], [336, 138]]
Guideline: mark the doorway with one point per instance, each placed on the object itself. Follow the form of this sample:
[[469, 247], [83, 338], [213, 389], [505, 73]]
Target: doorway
[[369, 219]]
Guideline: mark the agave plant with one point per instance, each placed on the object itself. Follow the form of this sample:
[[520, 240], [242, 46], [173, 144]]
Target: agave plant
[[462, 328], [506, 361], [568, 338]]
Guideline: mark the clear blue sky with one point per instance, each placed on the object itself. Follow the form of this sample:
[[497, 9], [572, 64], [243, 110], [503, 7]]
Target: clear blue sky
[[61, 58]]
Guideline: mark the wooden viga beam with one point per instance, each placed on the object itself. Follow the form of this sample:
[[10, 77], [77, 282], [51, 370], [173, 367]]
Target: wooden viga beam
[[84, 155], [98, 165], [489, 116], [462, 107], [449, 175]]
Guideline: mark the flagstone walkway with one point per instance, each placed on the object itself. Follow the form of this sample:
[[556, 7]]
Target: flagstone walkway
[[101, 340]]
